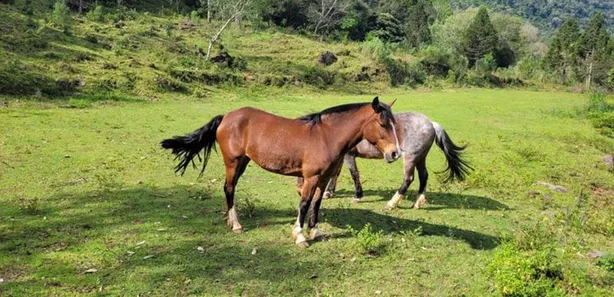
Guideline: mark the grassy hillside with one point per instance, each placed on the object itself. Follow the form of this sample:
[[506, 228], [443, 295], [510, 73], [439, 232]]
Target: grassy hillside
[[142, 55], [90, 206]]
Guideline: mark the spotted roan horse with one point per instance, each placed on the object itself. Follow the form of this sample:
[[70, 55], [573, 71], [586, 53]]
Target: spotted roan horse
[[311, 147], [416, 133]]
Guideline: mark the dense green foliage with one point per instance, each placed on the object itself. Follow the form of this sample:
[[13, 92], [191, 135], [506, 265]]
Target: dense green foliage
[[547, 15]]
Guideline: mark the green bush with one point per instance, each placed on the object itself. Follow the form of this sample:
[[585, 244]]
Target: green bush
[[61, 16], [97, 14], [526, 273], [528, 265], [367, 240], [318, 77], [607, 262], [601, 114]]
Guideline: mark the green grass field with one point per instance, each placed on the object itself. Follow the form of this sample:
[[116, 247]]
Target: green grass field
[[89, 204]]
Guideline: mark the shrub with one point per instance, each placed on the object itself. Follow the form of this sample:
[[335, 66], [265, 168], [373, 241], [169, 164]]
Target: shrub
[[368, 241], [601, 114], [402, 73], [376, 47], [318, 77], [528, 265], [61, 16], [518, 272], [97, 14], [607, 262]]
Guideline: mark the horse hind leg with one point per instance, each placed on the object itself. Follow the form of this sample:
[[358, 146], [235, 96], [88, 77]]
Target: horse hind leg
[[350, 161], [332, 184], [307, 193], [408, 169], [234, 170], [423, 175], [314, 231]]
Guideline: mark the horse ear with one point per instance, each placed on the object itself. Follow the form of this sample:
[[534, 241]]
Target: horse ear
[[390, 105], [375, 104]]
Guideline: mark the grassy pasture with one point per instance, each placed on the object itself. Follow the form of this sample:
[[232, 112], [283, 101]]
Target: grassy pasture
[[90, 205]]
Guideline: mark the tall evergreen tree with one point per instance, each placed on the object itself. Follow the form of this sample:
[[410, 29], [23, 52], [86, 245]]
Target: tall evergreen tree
[[563, 53], [480, 38], [595, 50], [417, 28]]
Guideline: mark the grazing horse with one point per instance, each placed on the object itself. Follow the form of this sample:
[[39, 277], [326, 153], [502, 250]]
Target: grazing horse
[[416, 134], [311, 147]]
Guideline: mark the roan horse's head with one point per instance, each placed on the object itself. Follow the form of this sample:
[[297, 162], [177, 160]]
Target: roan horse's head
[[380, 131]]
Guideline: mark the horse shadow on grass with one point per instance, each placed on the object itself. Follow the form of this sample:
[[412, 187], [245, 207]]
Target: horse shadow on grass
[[435, 200], [115, 221]]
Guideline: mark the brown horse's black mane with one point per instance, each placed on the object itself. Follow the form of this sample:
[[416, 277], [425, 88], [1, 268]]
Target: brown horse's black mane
[[316, 118]]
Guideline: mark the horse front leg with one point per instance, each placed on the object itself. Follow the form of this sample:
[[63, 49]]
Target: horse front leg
[[408, 178], [307, 191]]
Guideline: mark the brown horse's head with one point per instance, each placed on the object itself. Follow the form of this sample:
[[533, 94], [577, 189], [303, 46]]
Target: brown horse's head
[[380, 131]]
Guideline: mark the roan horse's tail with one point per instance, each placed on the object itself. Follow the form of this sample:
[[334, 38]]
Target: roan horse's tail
[[457, 167], [189, 146]]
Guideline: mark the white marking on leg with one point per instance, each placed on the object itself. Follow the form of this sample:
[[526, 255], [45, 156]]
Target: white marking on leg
[[233, 220], [315, 233], [421, 200], [396, 199]]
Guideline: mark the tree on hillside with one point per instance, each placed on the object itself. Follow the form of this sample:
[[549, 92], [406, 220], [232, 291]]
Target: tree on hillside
[[417, 27], [231, 10], [388, 28], [480, 38], [61, 15], [595, 50], [327, 14], [358, 21], [562, 56]]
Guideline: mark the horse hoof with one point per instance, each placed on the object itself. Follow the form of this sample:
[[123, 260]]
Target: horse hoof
[[327, 195], [299, 239], [237, 230], [417, 206], [355, 200], [389, 207], [316, 234]]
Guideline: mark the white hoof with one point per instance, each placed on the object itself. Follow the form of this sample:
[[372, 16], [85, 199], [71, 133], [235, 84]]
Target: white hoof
[[392, 203], [420, 202], [316, 234], [327, 195], [300, 240]]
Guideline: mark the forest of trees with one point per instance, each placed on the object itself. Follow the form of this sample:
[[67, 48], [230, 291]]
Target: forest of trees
[[450, 41]]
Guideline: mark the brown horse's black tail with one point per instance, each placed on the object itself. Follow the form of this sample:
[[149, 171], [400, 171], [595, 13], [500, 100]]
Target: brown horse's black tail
[[457, 167], [189, 146]]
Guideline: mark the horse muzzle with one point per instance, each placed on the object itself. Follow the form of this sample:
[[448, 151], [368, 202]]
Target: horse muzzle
[[392, 156]]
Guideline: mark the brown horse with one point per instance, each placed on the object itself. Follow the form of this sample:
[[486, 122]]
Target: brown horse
[[311, 147]]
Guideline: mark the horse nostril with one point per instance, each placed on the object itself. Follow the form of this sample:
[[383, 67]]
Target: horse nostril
[[395, 155]]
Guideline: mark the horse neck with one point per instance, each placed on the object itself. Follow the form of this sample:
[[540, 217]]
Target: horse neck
[[345, 130]]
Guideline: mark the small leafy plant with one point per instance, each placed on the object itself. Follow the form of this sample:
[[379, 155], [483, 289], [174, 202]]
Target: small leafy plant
[[367, 240]]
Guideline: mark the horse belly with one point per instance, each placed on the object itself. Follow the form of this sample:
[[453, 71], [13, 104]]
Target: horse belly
[[277, 163]]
